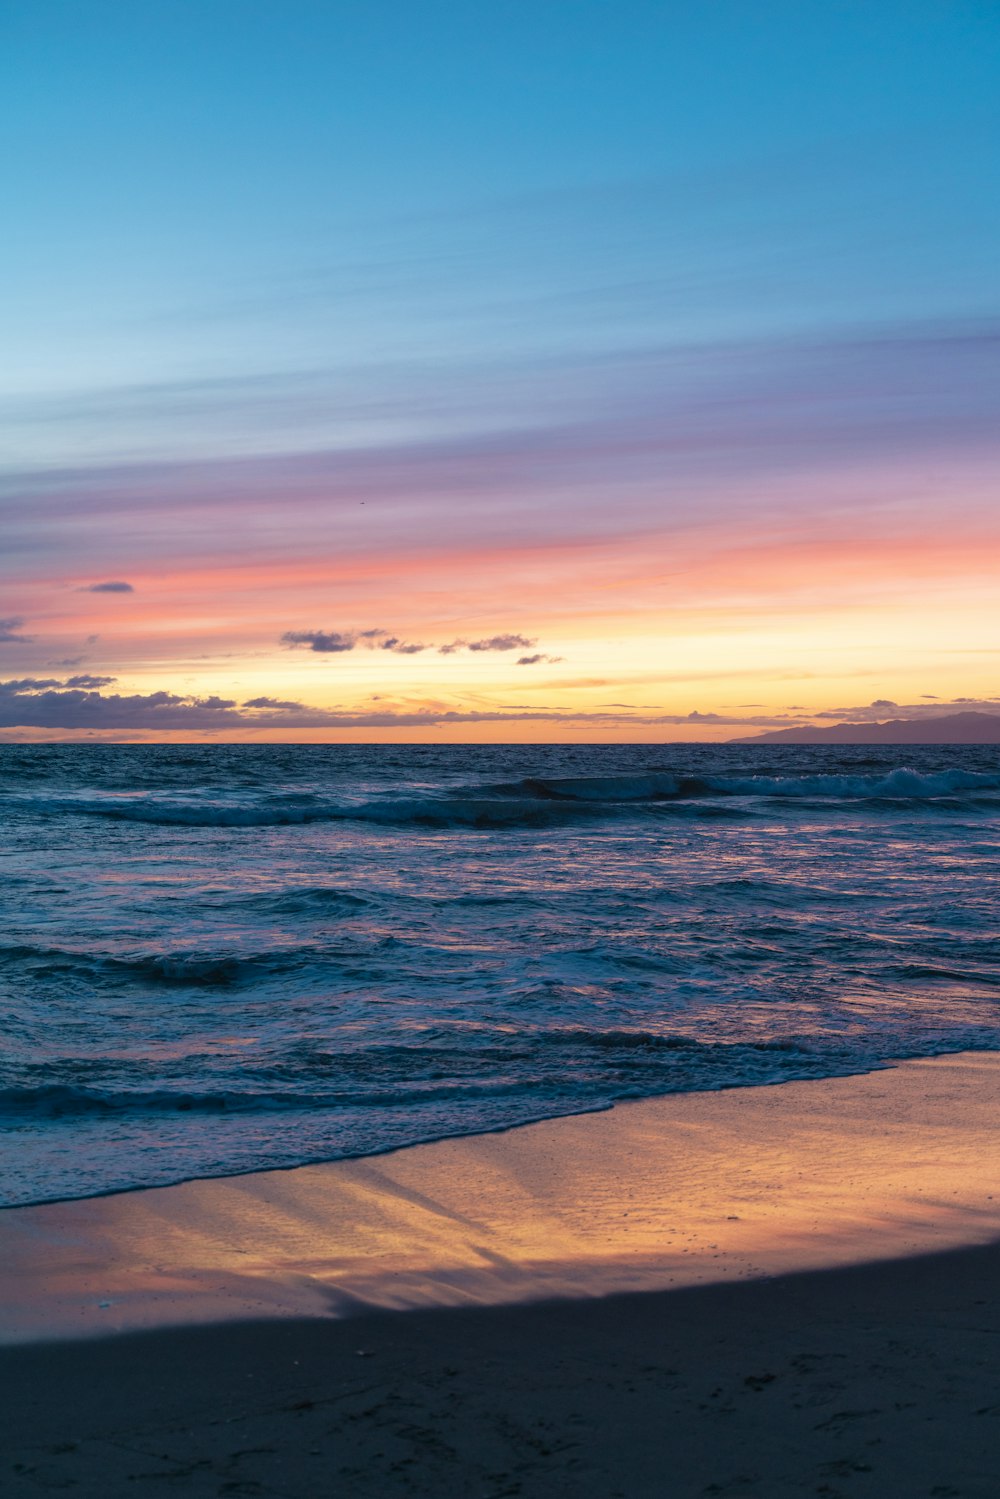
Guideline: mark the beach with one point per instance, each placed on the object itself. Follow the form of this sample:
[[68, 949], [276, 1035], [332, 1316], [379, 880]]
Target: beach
[[762, 1291], [500, 751]]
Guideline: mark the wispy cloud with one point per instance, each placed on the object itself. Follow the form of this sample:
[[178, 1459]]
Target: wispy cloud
[[545, 442], [337, 641], [501, 643], [279, 705], [660, 491], [401, 647], [9, 632], [490, 643]]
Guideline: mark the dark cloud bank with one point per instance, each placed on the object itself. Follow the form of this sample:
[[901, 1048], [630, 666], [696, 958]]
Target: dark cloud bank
[[81, 703]]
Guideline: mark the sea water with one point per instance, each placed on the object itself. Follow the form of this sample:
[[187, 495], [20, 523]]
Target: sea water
[[220, 958]]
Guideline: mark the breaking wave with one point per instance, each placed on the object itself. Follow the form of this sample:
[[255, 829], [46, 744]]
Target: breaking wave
[[533, 801], [681, 1062], [902, 784]]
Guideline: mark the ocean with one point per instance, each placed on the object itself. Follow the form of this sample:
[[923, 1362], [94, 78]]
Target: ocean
[[215, 959]]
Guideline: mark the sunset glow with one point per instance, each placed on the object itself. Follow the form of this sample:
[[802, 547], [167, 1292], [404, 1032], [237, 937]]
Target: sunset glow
[[699, 402]]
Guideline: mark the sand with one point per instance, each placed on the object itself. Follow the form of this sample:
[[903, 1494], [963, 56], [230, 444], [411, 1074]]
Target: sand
[[878, 1382], [734, 1365]]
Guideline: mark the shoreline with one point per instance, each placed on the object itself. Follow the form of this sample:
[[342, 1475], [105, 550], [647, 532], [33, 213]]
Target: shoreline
[[473, 1134], [766, 1293], [672, 1191]]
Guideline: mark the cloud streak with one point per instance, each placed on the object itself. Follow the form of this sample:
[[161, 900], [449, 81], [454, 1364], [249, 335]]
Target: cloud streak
[[336, 642], [705, 424], [632, 499], [501, 643]]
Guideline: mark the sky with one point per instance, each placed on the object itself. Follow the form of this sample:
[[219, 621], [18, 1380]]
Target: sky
[[453, 371]]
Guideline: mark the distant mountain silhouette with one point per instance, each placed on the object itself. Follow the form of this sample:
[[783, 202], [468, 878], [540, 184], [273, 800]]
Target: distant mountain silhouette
[[950, 728]]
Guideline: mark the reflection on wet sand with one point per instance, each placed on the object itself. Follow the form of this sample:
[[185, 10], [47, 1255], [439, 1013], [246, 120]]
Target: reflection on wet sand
[[664, 1192]]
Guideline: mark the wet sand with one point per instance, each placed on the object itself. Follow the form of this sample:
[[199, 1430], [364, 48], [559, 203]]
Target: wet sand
[[756, 1354]]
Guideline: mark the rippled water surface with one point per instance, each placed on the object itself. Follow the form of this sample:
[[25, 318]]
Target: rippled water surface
[[219, 958]]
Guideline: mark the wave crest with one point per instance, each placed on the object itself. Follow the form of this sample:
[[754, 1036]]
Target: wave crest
[[534, 801], [900, 784]]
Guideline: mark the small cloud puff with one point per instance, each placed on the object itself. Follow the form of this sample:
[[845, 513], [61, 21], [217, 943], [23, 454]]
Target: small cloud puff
[[9, 632], [502, 643], [276, 703], [490, 643], [401, 647], [114, 586], [335, 642], [325, 641]]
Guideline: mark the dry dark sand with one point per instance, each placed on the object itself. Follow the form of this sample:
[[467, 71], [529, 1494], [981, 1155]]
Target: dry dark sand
[[877, 1381], [874, 1379]]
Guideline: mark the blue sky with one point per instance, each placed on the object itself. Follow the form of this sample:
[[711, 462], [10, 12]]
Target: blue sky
[[207, 187]]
